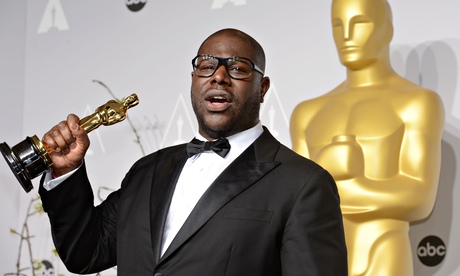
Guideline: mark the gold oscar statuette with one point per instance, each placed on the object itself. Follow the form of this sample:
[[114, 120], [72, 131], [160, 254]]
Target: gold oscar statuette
[[379, 135], [30, 158]]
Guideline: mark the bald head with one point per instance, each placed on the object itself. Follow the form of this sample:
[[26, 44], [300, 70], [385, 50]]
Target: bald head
[[255, 47]]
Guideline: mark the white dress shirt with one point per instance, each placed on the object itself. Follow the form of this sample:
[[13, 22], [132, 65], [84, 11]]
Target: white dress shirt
[[197, 175]]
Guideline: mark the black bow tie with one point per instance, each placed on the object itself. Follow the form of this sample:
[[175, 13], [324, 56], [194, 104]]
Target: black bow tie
[[220, 146]]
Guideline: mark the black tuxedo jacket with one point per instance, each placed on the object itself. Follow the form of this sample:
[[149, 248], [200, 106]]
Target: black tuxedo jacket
[[271, 212]]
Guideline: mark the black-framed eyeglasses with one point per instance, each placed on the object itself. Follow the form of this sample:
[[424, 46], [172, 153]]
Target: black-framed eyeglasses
[[237, 67]]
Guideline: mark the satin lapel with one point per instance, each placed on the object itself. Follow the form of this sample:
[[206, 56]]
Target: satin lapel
[[247, 169], [168, 167]]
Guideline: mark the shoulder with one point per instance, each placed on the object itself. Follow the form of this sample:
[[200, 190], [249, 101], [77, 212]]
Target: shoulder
[[161, 161], [421, 102], [168, 154], [290, 158], [409, 93], [273, 150], [310, 107], [306, 105]]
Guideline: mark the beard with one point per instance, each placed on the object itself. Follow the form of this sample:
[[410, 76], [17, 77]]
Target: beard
[[240, 116]]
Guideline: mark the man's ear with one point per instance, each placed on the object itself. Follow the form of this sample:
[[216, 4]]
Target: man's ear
[[264, 86]]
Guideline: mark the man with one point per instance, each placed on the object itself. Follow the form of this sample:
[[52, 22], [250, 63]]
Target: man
[[260, 209], [379, 135]]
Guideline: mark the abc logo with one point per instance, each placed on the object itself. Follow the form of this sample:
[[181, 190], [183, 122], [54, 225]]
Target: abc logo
[[431, 251], [135, 5]]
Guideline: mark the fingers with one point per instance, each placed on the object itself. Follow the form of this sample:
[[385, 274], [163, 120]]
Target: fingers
[[65, 136], [67, 144], [59, 138]]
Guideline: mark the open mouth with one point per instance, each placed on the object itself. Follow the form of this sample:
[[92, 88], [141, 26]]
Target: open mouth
[[217, 99], [217, 102]]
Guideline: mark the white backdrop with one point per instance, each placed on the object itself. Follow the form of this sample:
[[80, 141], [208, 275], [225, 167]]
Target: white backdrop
[[54, 53]]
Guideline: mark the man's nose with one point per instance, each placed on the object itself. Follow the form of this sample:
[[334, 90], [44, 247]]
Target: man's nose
[[221, 74]]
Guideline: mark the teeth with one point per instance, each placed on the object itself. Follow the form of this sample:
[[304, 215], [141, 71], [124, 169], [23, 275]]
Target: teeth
[[218, 99]]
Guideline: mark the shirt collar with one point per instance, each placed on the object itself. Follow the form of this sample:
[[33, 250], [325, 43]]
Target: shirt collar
[[241, 140]]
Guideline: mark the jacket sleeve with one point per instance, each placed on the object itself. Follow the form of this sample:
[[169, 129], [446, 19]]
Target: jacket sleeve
[[84, 235], [313, 239]]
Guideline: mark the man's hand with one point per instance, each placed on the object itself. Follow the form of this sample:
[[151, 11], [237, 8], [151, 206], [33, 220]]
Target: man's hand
[[67, 144]]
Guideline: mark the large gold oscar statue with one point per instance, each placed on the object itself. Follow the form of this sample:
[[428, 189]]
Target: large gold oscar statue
[[379, 135]]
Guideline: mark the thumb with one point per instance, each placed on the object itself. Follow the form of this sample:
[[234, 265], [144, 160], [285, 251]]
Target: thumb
[[80, 134]]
